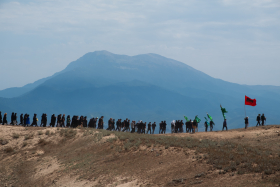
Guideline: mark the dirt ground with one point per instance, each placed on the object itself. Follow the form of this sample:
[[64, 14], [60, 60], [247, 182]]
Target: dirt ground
[[37, 156]]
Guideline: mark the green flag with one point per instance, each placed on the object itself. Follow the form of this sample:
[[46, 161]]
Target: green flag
[[197, 119], [186, 118], [223, 111], [209, 117]]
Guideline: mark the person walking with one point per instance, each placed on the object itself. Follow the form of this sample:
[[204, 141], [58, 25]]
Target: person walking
[[263, 118], [154, 127], [258, 120], [246, 122], [225, 124], [5, 119]]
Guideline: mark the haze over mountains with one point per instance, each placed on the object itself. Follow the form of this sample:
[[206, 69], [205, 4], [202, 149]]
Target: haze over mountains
[[145, 87]]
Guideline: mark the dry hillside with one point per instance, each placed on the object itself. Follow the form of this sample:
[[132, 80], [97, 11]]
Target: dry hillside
[[37, 156]]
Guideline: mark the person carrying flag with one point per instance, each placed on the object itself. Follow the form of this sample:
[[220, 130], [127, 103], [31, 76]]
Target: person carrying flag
[[211, 122], [206, 124]]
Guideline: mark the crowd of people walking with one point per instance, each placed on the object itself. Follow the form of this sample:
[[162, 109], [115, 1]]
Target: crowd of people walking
[[177, 126]]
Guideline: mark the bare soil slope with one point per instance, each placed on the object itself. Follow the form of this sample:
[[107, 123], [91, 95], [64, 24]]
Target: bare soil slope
[[37, 156]]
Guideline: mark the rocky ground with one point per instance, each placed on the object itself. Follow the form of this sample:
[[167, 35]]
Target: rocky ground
[[37, 156]]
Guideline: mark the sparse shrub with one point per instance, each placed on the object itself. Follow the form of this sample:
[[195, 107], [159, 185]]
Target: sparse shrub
[[68, 133], [268, 171], [3, 141], [241, 172], [15, 136], [9, 150], [42, 142], [29, 136], [40, 133], [47, 132], [111, 140], [24, 144]]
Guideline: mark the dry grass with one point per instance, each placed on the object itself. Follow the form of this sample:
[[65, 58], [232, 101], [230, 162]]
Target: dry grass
[[15, 135]]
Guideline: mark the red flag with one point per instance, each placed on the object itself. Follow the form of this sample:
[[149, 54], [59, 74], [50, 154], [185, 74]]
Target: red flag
[[249, 101]]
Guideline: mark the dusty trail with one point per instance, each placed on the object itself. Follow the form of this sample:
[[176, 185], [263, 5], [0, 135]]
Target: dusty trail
[[84, 157]]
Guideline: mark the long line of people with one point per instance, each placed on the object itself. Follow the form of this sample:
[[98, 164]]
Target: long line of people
[[124, 126]]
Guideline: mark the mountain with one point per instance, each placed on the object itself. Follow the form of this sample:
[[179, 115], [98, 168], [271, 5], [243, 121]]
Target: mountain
[[148, 87]]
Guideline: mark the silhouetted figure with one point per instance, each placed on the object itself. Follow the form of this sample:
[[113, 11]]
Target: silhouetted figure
[[211, 125], [263, 118], [12, 119], [149, 128], [225, 124], [68, 121], [1, 118], [246, 122], [21, 120], [85, 122], [154, 127], [5, 119], [258, 120], [34, 122]]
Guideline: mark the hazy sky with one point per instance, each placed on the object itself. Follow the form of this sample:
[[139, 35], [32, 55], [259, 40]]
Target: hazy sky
[[234, 40]]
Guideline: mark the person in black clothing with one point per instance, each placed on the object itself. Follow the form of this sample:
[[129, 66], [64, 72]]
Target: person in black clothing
[[0, 117], [81, 121], [62, 121], [176, 126], [34, 122], [101, 123], [15, 119], [187, 126], [119, 123], [246, 122], [163, 127], [263, 118], [58, 123], [73, 122], [258, 120], [68, 121], [154, 127], [144, 128], [44, 120], [21, 119], [206, 126], [110, 124], [149, 128], [5, 119], [160, 127], [182, 126], [53, 120], [85, 122], [140, 127], [12, 119], [211, 125], [225, 124]]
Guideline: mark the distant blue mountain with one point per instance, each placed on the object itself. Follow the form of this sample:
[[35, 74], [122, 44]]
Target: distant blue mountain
[[144, 87]]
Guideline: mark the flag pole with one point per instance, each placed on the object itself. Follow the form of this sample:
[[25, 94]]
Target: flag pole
[[245, 110]]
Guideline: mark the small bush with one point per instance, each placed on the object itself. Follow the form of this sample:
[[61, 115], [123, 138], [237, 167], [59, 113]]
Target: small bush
[[40, 133], [29, 136], [15, 136], [241, 172], [268, 171], [9, 150], [68, 133], [42, 142], [47, 132], [3, 141], [24, 144]]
